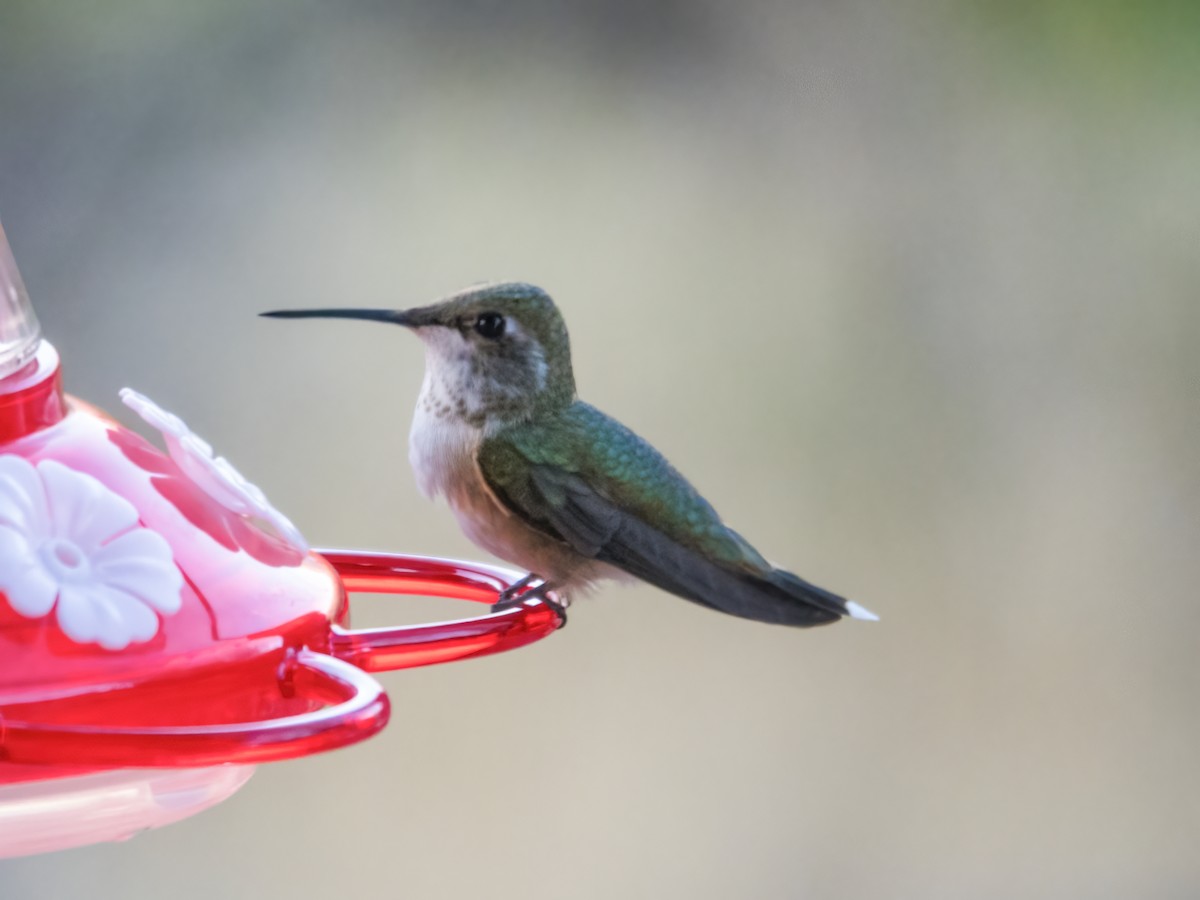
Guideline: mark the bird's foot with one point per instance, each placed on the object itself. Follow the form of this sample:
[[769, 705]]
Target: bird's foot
[[508, 596], [513, 596]]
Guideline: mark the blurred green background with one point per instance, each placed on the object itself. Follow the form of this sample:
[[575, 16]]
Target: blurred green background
[[909, 290]]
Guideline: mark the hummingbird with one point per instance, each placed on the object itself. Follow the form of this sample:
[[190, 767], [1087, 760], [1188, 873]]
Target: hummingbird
[[539, 478]]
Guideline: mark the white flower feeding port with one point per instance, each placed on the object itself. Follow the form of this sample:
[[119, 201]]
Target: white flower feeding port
[[164, 628], [216, 476], [69, 544]]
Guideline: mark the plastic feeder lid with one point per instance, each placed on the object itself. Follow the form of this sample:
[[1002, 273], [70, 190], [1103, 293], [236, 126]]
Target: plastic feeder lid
[[19, 331]]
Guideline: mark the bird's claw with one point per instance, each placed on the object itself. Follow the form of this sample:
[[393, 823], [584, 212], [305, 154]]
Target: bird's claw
[[515, 595], [508, 597], [560, 610]]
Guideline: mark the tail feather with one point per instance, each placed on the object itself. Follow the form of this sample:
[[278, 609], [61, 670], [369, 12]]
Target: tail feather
[[799, 598]]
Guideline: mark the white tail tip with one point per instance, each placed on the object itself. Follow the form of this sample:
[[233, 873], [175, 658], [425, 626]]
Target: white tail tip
[[860, 612]]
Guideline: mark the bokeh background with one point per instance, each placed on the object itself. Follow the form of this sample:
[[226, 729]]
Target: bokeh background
[[908, 289]]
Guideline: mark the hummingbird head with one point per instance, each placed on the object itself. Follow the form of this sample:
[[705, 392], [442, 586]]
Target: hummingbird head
[[494, 353]]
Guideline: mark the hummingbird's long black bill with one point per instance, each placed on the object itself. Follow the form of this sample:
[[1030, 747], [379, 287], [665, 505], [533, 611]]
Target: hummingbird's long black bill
[[395, 316]]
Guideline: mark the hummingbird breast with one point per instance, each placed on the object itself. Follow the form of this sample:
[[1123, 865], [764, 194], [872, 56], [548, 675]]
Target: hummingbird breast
[[443, 449]]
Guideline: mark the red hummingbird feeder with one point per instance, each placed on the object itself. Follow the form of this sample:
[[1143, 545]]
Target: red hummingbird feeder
[[163, 629]]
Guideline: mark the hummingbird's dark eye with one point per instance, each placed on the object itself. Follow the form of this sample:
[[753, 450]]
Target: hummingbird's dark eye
[[490, 325]]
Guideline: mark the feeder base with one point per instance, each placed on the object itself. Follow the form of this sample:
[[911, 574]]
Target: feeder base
[[40, 816]]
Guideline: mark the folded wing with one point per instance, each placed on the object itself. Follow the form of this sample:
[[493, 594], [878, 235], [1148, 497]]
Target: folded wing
[[612, 497]]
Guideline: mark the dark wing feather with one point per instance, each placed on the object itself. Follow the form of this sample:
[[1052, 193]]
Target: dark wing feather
[[576, 513], [735, 579]]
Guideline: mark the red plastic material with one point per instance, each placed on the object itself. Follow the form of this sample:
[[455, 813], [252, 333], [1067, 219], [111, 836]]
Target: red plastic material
[[57, 731], [361, 710], [385, 649], [32, 397], [259, 663]]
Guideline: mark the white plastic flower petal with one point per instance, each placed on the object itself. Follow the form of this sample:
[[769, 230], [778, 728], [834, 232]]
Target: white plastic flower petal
[[214, 475], [81, 512], [104, 616], [135, 563], [71, 545], [29, 588], [23, 508], [153, 414], [195, 457]]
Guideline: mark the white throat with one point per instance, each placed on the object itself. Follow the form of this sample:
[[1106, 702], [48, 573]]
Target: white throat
[[443, 441]]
